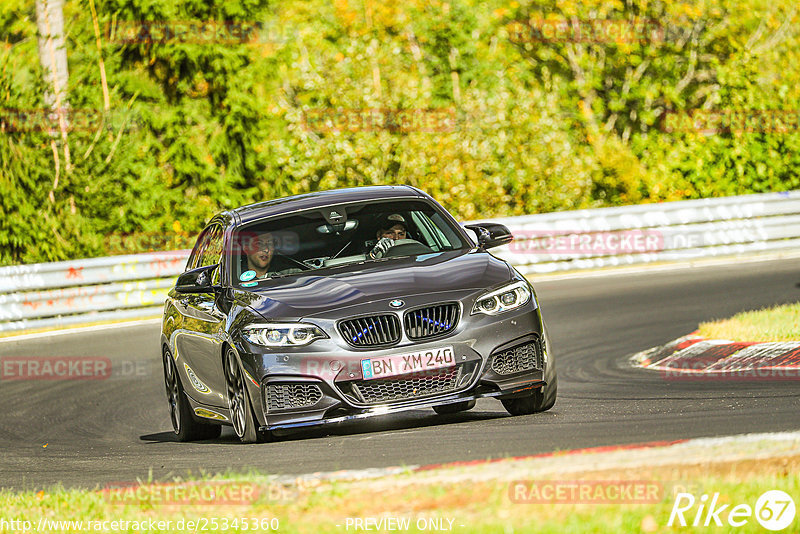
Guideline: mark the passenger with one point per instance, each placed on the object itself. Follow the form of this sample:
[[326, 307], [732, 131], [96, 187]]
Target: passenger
[[390, 229], [258, 249], [260, 260]]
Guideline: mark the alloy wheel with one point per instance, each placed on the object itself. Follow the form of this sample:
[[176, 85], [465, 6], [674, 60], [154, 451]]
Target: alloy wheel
[[237, 398], [173, 391]]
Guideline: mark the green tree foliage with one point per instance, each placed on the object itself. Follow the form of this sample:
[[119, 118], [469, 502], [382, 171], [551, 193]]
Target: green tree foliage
[[494, 107]]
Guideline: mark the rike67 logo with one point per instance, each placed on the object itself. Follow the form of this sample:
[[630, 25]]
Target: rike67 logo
[[774, 510]]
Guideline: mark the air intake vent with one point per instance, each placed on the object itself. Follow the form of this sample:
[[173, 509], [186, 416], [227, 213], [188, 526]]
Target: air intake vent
[[409, 387], [522, 358], [292, 396]]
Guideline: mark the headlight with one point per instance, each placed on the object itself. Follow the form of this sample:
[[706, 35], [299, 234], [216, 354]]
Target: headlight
[[504, 299], [283, 334]]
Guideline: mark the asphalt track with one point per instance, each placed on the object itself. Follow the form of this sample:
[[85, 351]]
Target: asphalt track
[[91, 433]]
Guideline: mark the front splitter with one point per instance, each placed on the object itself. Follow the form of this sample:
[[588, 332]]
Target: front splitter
[[388, 409]]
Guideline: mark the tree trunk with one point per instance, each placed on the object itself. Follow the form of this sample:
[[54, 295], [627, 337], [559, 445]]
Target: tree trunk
[[52, 50], [53, 57]]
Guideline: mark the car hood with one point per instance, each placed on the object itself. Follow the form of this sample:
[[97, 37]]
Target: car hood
[[313, 294]]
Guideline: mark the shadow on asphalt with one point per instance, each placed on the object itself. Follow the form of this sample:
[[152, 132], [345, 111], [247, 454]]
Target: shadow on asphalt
[[411, 421]]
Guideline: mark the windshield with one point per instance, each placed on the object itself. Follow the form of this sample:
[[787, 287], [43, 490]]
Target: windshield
[[340, 235]]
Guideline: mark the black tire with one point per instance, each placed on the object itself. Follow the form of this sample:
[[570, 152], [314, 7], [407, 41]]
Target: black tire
[[540, 400], [454, 407], [184, 425], [242, 416]]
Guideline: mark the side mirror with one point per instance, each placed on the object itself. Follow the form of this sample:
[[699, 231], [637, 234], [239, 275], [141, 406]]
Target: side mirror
[[197, 280], [491, 234]]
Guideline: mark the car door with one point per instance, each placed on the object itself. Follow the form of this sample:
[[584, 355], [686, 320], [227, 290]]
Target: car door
[[199, 344]]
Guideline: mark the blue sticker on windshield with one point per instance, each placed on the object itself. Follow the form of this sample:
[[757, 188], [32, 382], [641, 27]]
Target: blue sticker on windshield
[[249, 284], [247, 275]]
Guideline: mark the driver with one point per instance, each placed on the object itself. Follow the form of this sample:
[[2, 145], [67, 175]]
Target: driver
[[390, 229]]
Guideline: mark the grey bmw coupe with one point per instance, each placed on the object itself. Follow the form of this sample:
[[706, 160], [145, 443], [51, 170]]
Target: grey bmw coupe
[[346, 304]]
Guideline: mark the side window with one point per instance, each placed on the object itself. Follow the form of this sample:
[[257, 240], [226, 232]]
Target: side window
[[212, 252], [424, 230], [208, 249], [448, 237], [432, 234], [198, 249]]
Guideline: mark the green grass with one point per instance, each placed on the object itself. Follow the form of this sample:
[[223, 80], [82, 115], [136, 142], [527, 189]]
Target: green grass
[[780, 323], [480, 507]]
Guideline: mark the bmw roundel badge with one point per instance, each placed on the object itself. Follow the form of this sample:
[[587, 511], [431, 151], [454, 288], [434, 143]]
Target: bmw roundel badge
[[396, 303]]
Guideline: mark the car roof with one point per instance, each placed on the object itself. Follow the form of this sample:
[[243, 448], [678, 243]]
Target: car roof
[[319, 199]]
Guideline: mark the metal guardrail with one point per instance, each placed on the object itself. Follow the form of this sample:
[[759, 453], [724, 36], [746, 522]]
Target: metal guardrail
[[646, 233], [46, 295]]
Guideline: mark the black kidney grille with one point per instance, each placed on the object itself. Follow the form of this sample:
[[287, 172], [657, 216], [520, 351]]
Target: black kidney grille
[[521, 358], [371, 331], [431, 321]]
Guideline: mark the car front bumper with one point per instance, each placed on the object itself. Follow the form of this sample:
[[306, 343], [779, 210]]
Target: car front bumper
[[314, 386]]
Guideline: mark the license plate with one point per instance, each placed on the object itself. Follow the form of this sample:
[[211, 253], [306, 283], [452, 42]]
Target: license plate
[[411, 362]]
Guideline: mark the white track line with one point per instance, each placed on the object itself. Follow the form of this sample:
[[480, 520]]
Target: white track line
[[80, 330]]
